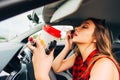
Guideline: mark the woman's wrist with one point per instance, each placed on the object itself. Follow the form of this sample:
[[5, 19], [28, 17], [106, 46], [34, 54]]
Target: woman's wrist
[[40, 77], [67, 47]]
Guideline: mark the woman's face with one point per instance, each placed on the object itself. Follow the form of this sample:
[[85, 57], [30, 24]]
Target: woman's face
[[84, 33]]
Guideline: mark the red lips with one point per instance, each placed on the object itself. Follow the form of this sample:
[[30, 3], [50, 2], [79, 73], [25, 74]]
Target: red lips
[[74, 34]]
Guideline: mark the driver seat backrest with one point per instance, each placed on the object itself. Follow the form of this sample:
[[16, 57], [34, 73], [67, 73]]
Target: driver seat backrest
[[115, 45], [116, 51]]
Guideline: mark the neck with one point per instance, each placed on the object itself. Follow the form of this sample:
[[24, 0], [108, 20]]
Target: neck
[[86, 49]]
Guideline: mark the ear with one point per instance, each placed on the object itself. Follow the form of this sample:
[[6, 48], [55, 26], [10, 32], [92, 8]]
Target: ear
[[94, 41]]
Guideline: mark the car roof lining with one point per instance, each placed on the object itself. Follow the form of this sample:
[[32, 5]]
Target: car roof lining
[[103, 9]]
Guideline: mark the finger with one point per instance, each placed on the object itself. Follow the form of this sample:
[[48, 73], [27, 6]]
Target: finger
[[38, 44], [52, 52], [68, 32], [29, 45], [32, 48]]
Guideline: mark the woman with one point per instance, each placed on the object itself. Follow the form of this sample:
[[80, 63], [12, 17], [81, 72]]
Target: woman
[[92, 59]]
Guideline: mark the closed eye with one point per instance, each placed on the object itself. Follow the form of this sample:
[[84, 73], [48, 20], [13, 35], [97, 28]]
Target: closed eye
[[85, 26]]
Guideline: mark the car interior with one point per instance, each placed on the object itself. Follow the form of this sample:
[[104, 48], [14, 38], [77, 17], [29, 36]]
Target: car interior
[[16, 59]]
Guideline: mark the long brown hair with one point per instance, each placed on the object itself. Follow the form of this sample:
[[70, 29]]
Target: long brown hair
[[102, 35], [103, 39]]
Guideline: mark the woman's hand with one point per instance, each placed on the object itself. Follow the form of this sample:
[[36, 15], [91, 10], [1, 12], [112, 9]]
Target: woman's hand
[[41, 61], [68, 40]]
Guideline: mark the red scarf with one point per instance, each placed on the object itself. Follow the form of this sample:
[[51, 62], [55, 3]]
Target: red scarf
[[80, 67]]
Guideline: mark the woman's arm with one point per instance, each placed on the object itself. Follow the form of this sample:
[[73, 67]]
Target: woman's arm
[[61, 64], [42, 78], [41, 61]]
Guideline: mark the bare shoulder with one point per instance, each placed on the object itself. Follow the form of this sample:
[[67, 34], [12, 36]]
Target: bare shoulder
[[104, 69]]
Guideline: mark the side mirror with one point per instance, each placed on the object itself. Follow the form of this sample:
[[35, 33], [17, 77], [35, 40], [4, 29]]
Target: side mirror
[[33, 17]]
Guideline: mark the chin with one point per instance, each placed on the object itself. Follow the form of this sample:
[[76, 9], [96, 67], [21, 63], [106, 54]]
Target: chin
[[75, 41]]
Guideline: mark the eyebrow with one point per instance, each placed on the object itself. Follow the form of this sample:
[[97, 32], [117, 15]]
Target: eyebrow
[[86, 23]]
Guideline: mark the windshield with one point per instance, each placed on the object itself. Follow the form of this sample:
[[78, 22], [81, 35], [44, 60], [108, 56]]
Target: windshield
[[13, 27]]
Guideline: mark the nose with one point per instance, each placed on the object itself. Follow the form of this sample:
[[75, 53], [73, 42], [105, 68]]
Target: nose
[[76, 28]]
